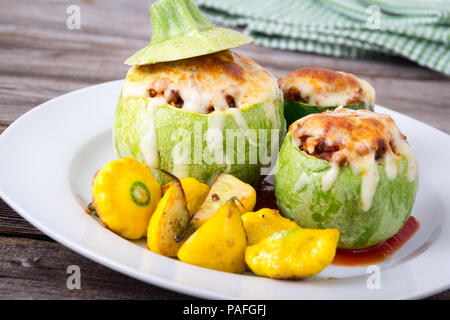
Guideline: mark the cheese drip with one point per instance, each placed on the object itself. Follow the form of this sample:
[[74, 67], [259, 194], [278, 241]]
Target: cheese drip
[[148, 144], [360, 139]]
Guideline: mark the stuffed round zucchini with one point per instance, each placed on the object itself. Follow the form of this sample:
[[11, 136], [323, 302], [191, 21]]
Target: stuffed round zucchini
[[347, 169], [314, 90], [200, 116], [194, 108]]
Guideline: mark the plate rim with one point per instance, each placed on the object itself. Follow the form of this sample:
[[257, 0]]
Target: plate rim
[[124, 269]]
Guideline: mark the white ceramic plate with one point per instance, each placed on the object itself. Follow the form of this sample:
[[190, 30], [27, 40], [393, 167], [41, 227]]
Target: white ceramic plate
[[49, 156]]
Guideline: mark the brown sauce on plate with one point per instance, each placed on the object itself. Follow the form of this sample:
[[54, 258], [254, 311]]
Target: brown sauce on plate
[[379, 252]]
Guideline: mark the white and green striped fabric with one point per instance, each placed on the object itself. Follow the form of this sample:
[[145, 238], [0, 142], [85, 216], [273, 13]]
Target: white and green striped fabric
[[416, 30]]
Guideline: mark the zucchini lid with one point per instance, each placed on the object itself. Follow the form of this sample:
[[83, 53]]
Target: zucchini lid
[[180, 31]]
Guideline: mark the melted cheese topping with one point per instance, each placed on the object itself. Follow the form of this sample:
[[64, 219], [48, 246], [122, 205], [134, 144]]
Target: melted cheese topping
[[360, 139], [148, 144], [323, 87], [206, 83]]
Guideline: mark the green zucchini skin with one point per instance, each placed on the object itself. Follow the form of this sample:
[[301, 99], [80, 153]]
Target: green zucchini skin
[[340, 207], [294, 110], [173, 124]]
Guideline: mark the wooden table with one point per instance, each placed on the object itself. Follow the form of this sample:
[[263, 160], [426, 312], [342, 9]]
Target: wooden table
[[40, 58]]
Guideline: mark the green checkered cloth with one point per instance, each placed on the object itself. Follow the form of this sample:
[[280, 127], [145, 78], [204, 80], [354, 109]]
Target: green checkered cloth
[[416, 30]]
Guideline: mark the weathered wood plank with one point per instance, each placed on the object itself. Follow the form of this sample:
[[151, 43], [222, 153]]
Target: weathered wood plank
[[3, 126], [427, 100], [13, 225], [35, 269]]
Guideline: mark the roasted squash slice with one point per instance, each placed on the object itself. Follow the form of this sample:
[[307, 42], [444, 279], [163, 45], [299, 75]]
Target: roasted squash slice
[[293, 254], [169, 222], [219, 243], [195, 193], [224, 188], [263, 223]]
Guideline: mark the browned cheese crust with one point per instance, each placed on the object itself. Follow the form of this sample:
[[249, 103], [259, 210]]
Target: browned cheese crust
[[323, 87]]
